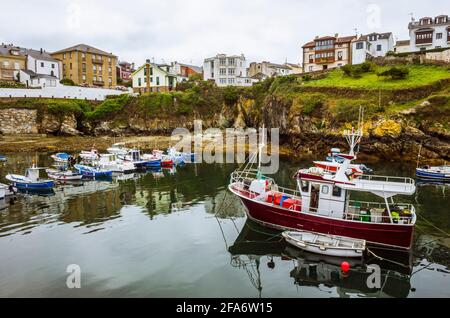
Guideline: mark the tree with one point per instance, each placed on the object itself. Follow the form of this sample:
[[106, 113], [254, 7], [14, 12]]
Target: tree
[[395, 73]]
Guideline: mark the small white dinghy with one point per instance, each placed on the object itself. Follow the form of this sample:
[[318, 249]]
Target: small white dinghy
[[325, 244]]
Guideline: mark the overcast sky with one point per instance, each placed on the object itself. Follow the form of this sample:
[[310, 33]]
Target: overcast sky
[[191, 30]]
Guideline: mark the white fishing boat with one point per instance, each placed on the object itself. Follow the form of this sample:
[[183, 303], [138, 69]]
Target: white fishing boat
[[118, 149], [8, 189], [61, 157], [331, 245], [111, 162], [89, 156], [63, 175]]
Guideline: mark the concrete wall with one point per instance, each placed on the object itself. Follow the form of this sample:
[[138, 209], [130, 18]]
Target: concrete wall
[[443, 56], [61, 92]]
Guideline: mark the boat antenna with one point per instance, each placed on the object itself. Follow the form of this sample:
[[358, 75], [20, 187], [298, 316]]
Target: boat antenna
[[353, 136], [261, 146], [418, 155]]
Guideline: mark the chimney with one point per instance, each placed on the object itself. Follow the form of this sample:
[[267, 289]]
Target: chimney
[[316, 37], [336, 35], [147, 61], [41, 51]]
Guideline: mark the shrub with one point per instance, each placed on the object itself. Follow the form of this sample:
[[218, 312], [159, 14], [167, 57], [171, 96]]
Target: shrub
[[395, 73], [109, 106], [67, 81], [311, 103], [8, 84], [230, 95], [357, 70]]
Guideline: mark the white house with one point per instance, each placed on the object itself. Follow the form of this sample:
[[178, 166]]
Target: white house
[[371, 45], [41, 69], [227, 70], [151, 77], [429, 33]]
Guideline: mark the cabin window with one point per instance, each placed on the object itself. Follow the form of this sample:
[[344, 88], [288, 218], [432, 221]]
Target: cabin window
[[337, 191], [325, 189], [304, 186]]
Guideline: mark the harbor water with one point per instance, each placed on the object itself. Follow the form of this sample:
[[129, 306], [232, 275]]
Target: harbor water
[[180, 233]]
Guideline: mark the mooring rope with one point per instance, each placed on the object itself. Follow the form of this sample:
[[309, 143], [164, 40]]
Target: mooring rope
[[385, 259]]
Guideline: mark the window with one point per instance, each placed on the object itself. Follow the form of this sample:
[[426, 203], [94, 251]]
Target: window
[[310, 68], [100, 68], [139, 81], [359, 45], [231, 81], [311, 58], [145, 79], [70, 65], [83, 55], [222, 71], [42, 64], [378, 47], [438, 36], [222, 62], [94, 67], [151, 79], [94, 57], [304, 186], [337, 191], [223, 81], [325, 189], [109, 60], [83, 77], [100, 78], [157, 80], [231, 71], [151, 70], [6, 64], [83, 67], [145, 71], [231, 61], [53, 65], [340, 55], [16, 65], [109, 70], [64, 56], [110, 80], [95, 78], [70, 55]]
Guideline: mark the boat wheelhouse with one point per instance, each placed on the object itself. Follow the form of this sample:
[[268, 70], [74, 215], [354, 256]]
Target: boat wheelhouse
[[118, 149]]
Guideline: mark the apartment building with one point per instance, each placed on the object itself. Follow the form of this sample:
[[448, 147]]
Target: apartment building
[[87, 65], [327, 52], [267, 69], [227, 70], [429, 33], [12, 61]]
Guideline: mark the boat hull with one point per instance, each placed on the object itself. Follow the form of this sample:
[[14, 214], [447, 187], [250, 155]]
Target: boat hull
[[429, 175], [383, 234], [33, 186]]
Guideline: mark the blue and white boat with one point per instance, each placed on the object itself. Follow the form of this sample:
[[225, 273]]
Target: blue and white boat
[[93, 172], [134, 156], [438, 173], [3, 158], [61, 157], [186, 157], [31, 180]]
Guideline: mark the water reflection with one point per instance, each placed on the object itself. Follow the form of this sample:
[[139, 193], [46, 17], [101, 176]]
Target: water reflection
[[258, 247]]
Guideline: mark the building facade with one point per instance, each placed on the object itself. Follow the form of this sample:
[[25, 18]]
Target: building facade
[[227, 70], [124, 71], [88, 66], [267, 69], [402, 46], [11, 62], [327, 52], [184, 71], [371, 45], [295, 68], [429, 33], [152, 77]]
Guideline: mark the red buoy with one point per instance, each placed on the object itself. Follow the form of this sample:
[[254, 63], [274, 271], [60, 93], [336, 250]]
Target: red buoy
[[345, 267]]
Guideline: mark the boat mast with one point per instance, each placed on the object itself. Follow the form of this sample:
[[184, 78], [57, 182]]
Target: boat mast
[[354, 137], [260, 147]]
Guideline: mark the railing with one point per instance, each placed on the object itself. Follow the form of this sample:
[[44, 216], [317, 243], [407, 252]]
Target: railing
[[97, 61], [240, 176], [354, 209], [371, 177]]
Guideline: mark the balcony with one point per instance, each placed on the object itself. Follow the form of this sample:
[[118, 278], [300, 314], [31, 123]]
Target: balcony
[[97, 61], [325, 60], [98, 83]]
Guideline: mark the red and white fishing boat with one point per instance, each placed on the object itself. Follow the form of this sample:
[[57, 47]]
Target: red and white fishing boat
[[321, 203]]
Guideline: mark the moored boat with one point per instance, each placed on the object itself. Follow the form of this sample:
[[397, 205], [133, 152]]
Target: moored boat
[[118, 149], [438, 173], [112, 162], [31, 180], [331, 245], [93, 172], [3, 158], [61, 157], [321, 203], [63, 175]]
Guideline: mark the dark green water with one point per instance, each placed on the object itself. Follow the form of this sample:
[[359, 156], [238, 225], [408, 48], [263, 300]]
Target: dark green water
[[183, 235]]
